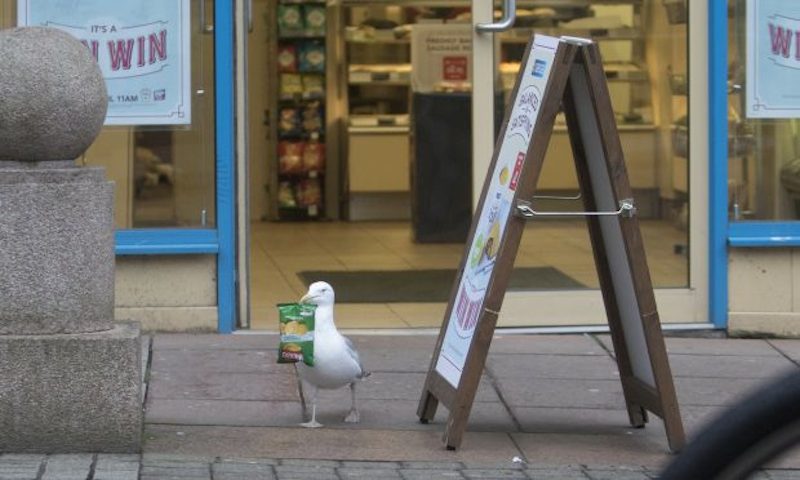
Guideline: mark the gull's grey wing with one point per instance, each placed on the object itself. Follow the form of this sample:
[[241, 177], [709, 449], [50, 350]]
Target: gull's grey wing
[[351, 350]]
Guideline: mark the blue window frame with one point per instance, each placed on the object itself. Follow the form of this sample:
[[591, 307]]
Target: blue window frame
[[219, 241], [723, 232]]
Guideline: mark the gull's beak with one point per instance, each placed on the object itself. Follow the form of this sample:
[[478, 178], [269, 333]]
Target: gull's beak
[[306, 298]]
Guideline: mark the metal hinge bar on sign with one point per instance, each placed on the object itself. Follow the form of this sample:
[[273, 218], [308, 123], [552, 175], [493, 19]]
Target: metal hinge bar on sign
[[626, 209], [558, 197]]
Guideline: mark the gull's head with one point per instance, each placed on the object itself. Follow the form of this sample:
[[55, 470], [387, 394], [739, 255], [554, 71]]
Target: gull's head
[[320, 294]]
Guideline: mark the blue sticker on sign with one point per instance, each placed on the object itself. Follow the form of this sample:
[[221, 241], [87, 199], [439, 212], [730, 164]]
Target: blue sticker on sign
[[538, 68]]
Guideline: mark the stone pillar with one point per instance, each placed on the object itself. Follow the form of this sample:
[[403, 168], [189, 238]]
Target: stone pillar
[[70, 378]]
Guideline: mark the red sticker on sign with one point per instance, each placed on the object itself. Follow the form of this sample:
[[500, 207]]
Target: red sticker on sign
[[454, 68], [517, 171]]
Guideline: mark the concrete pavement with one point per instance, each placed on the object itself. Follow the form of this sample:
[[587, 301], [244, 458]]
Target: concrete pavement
[[547, 407]]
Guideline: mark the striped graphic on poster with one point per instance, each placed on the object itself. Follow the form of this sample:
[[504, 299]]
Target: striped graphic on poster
[[495, 211]]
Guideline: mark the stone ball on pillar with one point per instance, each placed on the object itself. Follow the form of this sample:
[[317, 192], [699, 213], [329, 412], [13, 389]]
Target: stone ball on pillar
[[53, 100]]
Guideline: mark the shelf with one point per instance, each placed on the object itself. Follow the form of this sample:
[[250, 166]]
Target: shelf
[[379, 120], [380, 41], [384, 74], [379, 82], [300, 136], [379, 129], [625, 72], [301, 175], [523, 35], [301, 36], [300, 213], [299, 97]]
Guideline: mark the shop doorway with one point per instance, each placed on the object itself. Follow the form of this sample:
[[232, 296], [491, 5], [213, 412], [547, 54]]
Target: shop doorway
[[332, 222]]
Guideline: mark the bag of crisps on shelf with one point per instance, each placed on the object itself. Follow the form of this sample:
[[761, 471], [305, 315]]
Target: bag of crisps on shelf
[[297, 333]]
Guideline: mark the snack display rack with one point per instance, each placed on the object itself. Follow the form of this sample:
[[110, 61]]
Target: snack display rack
[[300, 124]]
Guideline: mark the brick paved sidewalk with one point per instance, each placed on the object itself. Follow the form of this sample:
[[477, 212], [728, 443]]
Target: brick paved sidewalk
[[151, 467], [175, 467]]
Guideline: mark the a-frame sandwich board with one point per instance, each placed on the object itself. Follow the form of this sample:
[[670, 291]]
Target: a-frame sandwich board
[[555, 73]]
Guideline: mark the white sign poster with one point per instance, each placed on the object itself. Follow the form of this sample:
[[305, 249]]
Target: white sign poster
[[143, 49], [773, 59], [441, 57], [496, 211]]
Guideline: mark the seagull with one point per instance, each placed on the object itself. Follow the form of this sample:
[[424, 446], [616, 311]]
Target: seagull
[[336, 361]]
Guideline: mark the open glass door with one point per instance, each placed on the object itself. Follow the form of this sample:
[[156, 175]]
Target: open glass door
[[645, 51]]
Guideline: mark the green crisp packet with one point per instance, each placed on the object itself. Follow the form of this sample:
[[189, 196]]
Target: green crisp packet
[[297, 333]]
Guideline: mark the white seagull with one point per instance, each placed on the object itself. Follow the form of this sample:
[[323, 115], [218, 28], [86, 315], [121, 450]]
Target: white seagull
[[336, 361]]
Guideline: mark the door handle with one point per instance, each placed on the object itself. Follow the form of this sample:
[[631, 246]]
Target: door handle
[[248, 11], [204, 27], [509, 15]]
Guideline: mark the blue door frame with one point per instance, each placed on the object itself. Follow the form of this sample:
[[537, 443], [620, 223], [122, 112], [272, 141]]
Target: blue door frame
[[718, 162], [222, 240]]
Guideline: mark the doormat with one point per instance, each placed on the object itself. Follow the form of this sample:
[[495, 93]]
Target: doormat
[[423, 286]]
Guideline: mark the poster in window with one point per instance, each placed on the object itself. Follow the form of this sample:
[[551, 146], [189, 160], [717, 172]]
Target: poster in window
[[143, 49], [773, 59]]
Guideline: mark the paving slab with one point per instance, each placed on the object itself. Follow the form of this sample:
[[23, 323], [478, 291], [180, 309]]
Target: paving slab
[[212, 341], [257, 413], [638, 448], [615, 474], [710, 346], [396, 360], [68, 467], [546, 392], [199, 385], [350, 473], [493, 474], [433, 474], [20, 466], [399, 386], [714, 391], [294, 472], [242, 470], [370, 445], [789, 348], [116, 467], [380, 414], [572, 420], [546, 345], [695, 418], [540, 471], [553, 366], [220, 361], [729, 366]]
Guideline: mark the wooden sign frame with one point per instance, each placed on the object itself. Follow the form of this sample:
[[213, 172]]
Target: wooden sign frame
[[576, 82]]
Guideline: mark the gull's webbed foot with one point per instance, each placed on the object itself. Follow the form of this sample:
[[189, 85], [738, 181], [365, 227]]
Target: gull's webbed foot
[[352, 417], [311, 424]]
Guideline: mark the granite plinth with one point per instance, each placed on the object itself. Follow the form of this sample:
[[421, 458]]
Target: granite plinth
[[71, 393], [56, 250]]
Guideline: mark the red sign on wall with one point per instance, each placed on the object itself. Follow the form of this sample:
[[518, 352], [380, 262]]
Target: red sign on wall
[[454, 68]]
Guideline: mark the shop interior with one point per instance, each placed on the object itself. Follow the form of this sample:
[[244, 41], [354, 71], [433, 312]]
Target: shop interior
[[345, 152]]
